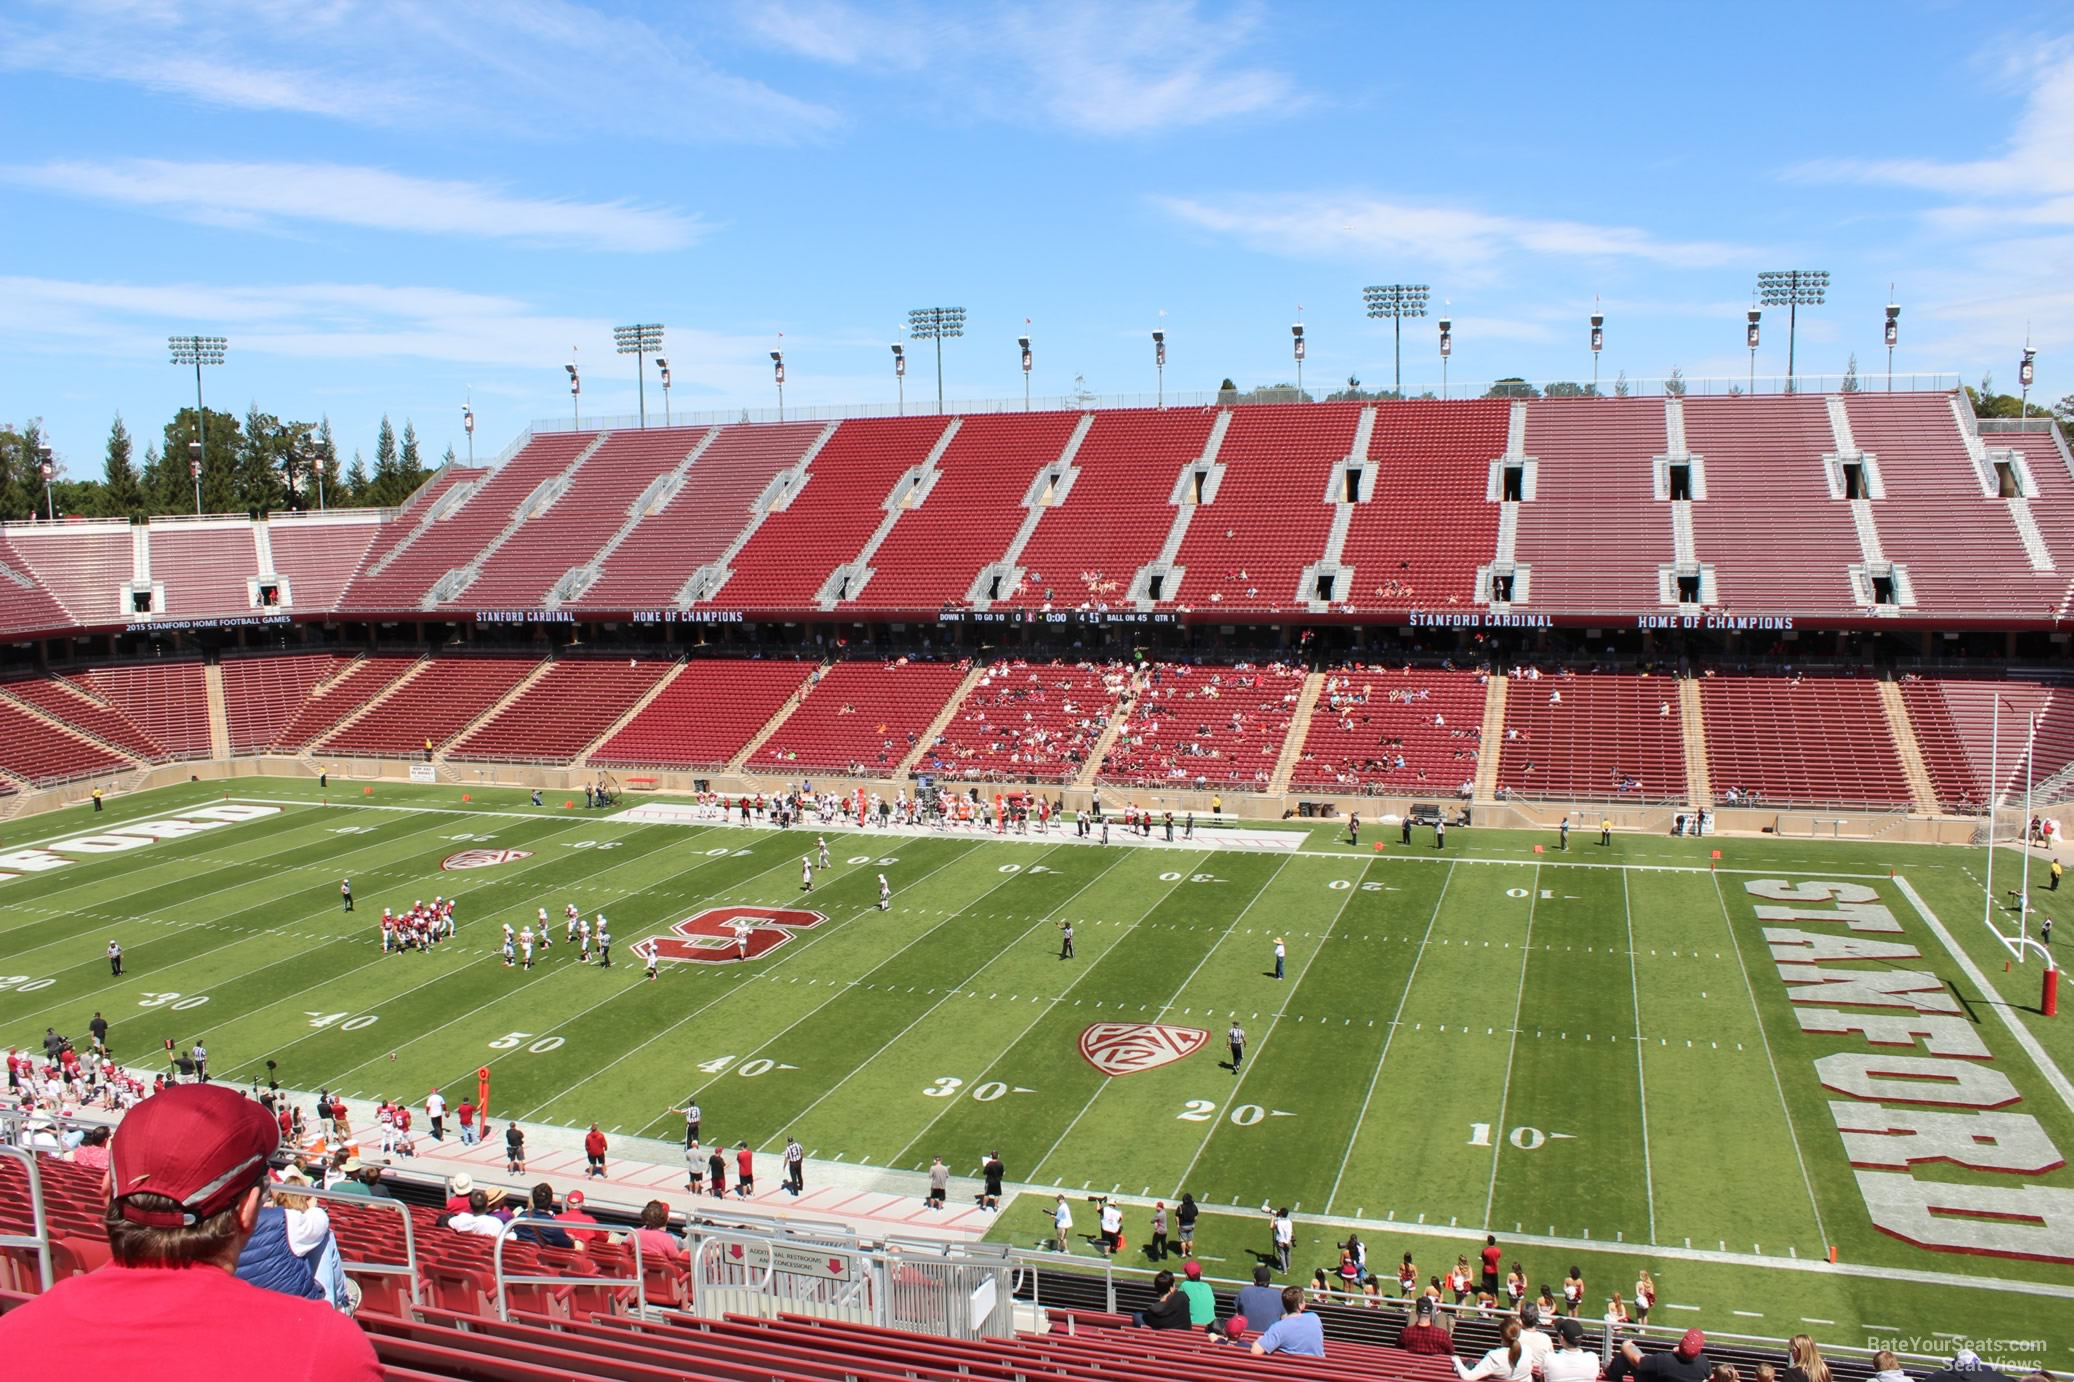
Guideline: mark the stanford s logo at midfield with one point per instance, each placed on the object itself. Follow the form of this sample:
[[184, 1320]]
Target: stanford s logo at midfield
[[726, 935], [1125, 1048], [482, 858]]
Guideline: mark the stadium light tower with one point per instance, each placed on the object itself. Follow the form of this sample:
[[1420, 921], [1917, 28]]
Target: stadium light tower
[[1792, 289], [778, 369], [639, 341], [313, 456], [900, 374], [1447, 348], [1296, 331], [197, 351], [2026, 372], [936, 324], [1396, 301], [1598, 344], [1893, 334], [575, 389], [1750, 339], [1023, 342], [468, 426], [1159, 365], [663, 366], [47, 467]]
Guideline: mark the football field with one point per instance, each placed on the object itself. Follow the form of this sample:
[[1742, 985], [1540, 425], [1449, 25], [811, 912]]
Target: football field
[[1609, 1057]]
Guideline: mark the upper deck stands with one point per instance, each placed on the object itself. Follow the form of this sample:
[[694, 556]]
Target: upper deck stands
[[410, 518], [1595, 534], [317, 555], [936, 550], [1427, 524], [1115, 517], [206, 567], [791, 556], [25, 604], [1775, 538], [84, 566], [1273, 510]]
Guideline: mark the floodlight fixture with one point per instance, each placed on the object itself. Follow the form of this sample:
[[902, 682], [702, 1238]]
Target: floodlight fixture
[[1893, 334], [1159, 365], [468, 426], [194, 470], [936, 324], [1792, 289], [1296, 343], [2026, 373], [198, 351], [639, 341], [1023, 344], [575, 388], [47, 466], [1447, 348], [778, 370], [1395, 302], [1750, 335], [663, 366], [900, 374], [1598, 344]]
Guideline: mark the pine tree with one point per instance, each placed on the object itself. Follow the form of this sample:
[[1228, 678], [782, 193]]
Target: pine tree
[[1620, 384], [1675, 385], [334, 490], [448, 458], [121, 495], [259, 480], [384, 482], [224, 439], [21, 479], [358, 485], [1850, 384]]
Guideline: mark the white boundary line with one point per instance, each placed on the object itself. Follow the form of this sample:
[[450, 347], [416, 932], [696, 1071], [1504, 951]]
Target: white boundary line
[[1641, 1081], [1778, 1085], [1410, 977], [1519, 1002], [2053, 1074]]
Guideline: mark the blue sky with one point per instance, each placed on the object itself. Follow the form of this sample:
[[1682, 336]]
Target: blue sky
[[391, 207]]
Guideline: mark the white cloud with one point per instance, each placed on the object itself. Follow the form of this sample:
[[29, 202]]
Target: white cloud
[[553, 67], [258, 194], [1457, 240]]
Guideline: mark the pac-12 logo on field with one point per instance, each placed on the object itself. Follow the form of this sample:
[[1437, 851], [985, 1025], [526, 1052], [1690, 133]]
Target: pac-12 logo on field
[[725, 935], [1125, 1048], [483, 858]]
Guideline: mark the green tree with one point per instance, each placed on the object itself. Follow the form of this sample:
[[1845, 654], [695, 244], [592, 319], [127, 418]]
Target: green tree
[[1675, 385], [383, 482], [335, 491], [1850, 384], [1564, 388], [1227, 392], [358, 483], [175, 493], [413, 468], [1620, 384], [448, 458], [1512, 386], [21, 472], [121, 494], [260, 478]]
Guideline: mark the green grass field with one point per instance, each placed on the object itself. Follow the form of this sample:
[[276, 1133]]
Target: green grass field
[[1592, 1055]]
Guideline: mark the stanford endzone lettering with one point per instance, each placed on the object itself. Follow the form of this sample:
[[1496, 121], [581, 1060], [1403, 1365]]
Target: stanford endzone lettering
[[61, 853]]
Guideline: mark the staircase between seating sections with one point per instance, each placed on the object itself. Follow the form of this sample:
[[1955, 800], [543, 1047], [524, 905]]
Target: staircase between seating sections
[[927, 739], [708, 580], [15, 799], [660, 491], [1184, 511], [1699, 782], [455, 583], [1491, 747], [446, 504], [771, 726], [1299, 730], [1342, 518], [212, 696], [1084, 780], [583, 759], [1920, 787], [315, 749], [64, 728], [545, 665], [262, 550], [1505, 551], [909, 491], [1009, 568]]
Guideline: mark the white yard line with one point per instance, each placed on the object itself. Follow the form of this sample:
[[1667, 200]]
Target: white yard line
[[1179, 989], [1239, 1083], [1519, 1002], [1778, 1085], [1397, 1017], [1641, 1082], [2053, 1075]]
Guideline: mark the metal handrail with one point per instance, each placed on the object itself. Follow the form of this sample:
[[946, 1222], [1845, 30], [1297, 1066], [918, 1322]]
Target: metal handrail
[[40, 1239], [504, 1281], [409, 1266]]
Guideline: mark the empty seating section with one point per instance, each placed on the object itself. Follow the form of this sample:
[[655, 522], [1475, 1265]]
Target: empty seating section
[[936, 550], [860, 717], [460, 537], [352, 689], [31, 749], [84, 566], [1426, 524], [706, 716], [1810, 741], [205, 567], [24, 602], [1396, 730], [572, 703], [1247, 549], [76, 706], [1028, 722], [316, 557], [828, 521], [1961, 547], [167, 700], [436, 704], [1594, 534], [391, 534], [696, 525], [2052, 506], [570, 532], [261, 695], [1776, 540], [1213, 726], [1579, 737], [1955, 727], [1118, 511]]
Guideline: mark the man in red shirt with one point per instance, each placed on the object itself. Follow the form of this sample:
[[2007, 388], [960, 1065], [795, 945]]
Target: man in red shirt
[[745, 1171], [594, 1153], [466, 1115], [1493, 1264], [185, 1174], [1424, 1336], [576, 1214]]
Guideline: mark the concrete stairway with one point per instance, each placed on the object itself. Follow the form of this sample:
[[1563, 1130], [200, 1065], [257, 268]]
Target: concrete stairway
[[738, 763], [1299, 730], [1084, 780], [440, 752], [1920, 788], [1699, 782], [219, 714], [1491, 746], [317, 749], [942, 721], [583, 760]]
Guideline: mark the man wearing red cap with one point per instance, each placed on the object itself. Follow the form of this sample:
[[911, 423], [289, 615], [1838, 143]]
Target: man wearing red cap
[[185, 1173], [577, 1214], [1686, 1363]]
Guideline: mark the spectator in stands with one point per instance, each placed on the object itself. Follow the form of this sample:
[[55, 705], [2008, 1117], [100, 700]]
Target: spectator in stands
[[1568, 1362], [1887, 1368], [1804, 1361], [575, 1213], [292, 1251], [1202, 1301], [458, 1186], [477, 1218], [184, 1190], [1507, 1361], [654, 1236], [1232, 1331], [1260, 1301], [1297, 1332], [92, 1149], [1534, 1343], [542, 1209], [1687, 1362], [1169, 1308]]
